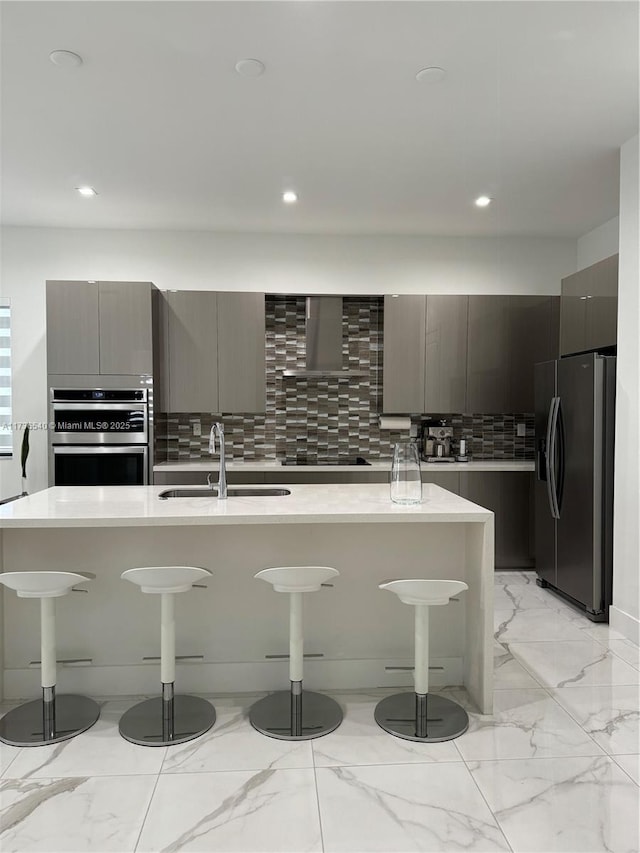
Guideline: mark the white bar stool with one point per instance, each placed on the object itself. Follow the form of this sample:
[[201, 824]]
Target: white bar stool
[[167, 719], [51, 718], [422, 716], [296, 714]]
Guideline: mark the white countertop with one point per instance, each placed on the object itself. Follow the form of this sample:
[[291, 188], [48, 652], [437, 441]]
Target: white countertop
[[266, 465], [133, 506]]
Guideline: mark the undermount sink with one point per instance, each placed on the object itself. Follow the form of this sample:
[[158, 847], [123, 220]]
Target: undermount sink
[[232, 492]]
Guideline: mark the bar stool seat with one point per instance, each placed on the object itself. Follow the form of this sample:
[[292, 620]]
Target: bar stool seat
[[51, 718], [425, 591], [297, 578], [296, 714], [167, 719], [165, 580], [43, 584], [422, 716]]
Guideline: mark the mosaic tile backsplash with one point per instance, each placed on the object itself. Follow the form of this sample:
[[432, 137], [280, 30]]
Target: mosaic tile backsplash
[[327, 419]]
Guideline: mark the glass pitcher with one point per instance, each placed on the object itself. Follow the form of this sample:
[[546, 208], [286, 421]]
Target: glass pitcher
[[406, 480]]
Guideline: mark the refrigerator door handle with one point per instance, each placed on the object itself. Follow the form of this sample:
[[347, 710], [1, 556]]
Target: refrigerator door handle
[[547, 456], [559, 485], [552, 435]]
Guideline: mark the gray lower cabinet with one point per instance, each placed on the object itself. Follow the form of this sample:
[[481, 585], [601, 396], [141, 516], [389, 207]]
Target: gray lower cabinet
[[449, 480], [212, 352], [446, 479], [509, 496], [274, 478], [589, 308], [199, 478], [100, 328]]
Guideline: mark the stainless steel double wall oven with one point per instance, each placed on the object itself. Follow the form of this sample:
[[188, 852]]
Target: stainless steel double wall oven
[[100, 436]]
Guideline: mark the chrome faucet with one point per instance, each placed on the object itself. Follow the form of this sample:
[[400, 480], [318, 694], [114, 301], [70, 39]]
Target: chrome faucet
[[218, 428]]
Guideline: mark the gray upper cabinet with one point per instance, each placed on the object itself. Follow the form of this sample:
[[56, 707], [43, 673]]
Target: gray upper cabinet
[[589, 307], [573, 312], [241, 352], [508, 335], [602, 308], [446, 354], [403, 376], [213, 352], [72, 328], [533, 331], [99, 328], [125, 327], [425, 353], [189, 367], [488, 354]]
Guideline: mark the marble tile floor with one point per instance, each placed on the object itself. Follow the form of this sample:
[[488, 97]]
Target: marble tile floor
[[556, 767]]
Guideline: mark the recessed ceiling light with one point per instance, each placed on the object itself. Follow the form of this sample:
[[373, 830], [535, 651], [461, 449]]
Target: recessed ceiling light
[[250, 68], [289, 197], [483, 201], [395, 295], [86, 191], [91, 281], [432, 74], [65, 58]]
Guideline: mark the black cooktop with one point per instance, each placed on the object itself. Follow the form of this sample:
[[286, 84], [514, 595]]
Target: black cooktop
[[342, 460]]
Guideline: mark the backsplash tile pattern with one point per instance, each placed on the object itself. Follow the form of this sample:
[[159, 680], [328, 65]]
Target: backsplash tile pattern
[[495, 436], [324, 419]]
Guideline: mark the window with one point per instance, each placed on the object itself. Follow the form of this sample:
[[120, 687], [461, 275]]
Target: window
[[6, 433]]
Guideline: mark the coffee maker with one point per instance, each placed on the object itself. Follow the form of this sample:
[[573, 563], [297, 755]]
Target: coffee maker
[[437, 441]]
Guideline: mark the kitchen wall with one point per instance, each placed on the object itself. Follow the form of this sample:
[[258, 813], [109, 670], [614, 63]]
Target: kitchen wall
[[599, 243], [270, 262], [621, 234], [287, 263], [625, 613], [322, 419]]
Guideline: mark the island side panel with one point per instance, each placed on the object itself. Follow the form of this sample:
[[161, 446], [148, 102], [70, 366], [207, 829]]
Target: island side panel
[[478, 676], [237, 620], [2, 621]]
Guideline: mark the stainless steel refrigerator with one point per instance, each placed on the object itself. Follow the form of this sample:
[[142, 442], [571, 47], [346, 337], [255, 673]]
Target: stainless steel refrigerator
[[575, 403]]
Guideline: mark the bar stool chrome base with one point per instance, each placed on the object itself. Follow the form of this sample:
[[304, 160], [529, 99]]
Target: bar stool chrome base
[[41, 722], [295, 714], [427, 718], [167, 719]]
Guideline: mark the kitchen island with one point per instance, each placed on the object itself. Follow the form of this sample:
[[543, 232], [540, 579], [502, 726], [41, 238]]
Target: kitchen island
[[227, 634]]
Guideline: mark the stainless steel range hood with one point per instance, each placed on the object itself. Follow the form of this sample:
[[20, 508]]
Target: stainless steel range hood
[[323, 340]]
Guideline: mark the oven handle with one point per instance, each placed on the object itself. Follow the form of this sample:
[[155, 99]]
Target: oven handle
[[100, 407], [69, 450], [100, 439]]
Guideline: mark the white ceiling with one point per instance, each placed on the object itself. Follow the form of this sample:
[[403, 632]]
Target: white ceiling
[[537, 100]]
